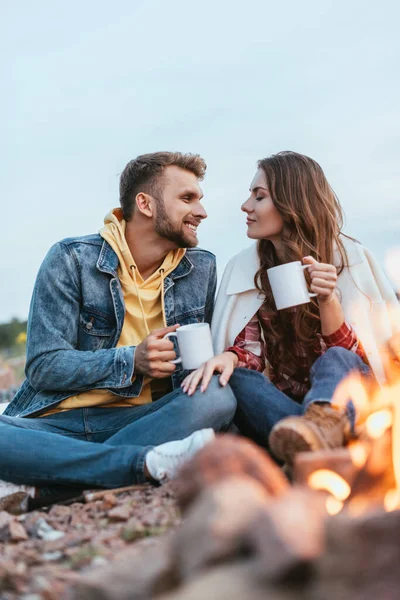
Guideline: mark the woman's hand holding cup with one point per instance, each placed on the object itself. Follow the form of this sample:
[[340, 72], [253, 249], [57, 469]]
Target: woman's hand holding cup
[[323, 279], [223, 363]]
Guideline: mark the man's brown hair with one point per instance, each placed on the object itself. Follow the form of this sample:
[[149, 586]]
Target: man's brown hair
[[144, 174]]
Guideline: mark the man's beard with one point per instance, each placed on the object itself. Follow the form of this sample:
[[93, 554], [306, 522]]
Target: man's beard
[[166, 229]]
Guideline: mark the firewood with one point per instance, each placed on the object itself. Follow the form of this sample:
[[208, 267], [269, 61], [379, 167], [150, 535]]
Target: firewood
[[337, 460]]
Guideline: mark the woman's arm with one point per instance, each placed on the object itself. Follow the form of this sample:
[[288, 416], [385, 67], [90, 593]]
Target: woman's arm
[[248, 351], [344, 337], [323, 283], [335, 331], [331, 315]]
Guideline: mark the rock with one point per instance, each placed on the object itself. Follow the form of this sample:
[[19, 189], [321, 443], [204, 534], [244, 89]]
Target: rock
[[289, 534], [60, 513], [16, 503], [50, 556], [237, 517], [10, 529], [86, 537], [120, 513], [233, 581], [138, 576], [5, 518], [227, 456], [109, 500], [361, 560], [17, 531], [216, 525], [44, 531]]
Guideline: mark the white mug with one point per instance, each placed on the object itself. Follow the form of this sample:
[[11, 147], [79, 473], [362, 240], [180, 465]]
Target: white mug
[[289, 285], [195, 345]]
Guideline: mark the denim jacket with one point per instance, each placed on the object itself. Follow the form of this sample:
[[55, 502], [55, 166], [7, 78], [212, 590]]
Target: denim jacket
[[76, 316]]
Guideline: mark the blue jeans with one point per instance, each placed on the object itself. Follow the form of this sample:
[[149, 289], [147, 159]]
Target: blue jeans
[[105, 447], [261, 405]]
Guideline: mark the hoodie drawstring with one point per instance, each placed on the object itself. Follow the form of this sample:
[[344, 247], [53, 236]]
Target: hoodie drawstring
[[133, 269], [162, 297]]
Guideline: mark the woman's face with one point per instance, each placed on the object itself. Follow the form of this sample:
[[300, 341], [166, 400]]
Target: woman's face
[[263, 219]]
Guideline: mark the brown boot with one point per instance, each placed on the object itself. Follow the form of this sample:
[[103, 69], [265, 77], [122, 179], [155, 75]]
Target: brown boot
[[321, 427]]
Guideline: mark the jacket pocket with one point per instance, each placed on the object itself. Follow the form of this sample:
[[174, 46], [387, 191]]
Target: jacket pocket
[[95, 330]]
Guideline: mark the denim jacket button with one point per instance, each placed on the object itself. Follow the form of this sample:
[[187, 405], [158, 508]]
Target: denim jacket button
[[89, 325]]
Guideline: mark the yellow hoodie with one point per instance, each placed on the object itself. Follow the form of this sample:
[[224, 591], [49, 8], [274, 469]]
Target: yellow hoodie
[[144, 310]]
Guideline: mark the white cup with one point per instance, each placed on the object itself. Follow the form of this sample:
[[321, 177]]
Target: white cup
[[195, 345], [289, 285]]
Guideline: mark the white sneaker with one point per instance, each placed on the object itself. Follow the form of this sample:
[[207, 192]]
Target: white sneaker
[[164, 461]]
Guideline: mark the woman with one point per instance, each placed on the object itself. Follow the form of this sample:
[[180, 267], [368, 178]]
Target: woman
[[294, 215]]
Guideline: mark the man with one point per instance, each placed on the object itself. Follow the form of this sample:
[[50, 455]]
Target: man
[[98, 367]]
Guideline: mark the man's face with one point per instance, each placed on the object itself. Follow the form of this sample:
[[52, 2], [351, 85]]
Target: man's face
[[178, 208]]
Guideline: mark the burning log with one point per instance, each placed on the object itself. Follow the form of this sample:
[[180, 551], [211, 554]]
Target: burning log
[[339, 460]]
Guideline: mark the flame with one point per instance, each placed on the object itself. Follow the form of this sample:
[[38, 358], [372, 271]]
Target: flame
[[352, 388], [358, 453], [333, 505], [396, 436], [324, 479], [377, 423], [392, 500]]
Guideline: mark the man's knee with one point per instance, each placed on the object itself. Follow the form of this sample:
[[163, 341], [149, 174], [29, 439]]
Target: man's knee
[[217, 400]]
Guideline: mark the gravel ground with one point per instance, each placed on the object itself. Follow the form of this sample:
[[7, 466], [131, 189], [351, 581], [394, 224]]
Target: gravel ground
[[43, 552]]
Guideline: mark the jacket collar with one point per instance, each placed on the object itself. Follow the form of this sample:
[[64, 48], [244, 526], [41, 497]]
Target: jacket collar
[[108, 259], [245, 265], [183, 269], [108, 263]]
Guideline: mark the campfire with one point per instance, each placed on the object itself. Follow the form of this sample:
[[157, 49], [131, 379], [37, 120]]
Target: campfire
[[366, 475], [371, 462]]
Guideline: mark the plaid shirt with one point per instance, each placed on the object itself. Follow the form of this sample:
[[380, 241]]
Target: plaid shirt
[[291, 377]]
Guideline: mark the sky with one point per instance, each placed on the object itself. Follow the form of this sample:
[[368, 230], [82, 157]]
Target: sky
[[87, 86]]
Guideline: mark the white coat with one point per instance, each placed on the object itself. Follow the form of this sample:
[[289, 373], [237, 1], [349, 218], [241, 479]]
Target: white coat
[[365, 293]]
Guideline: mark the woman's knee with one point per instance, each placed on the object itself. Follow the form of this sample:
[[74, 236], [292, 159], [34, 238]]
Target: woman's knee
[[245, 380], [337, 353], [247, 384], [342, 358]]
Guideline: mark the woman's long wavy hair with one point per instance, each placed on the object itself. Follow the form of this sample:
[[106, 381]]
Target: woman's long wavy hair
[[312, 221]]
